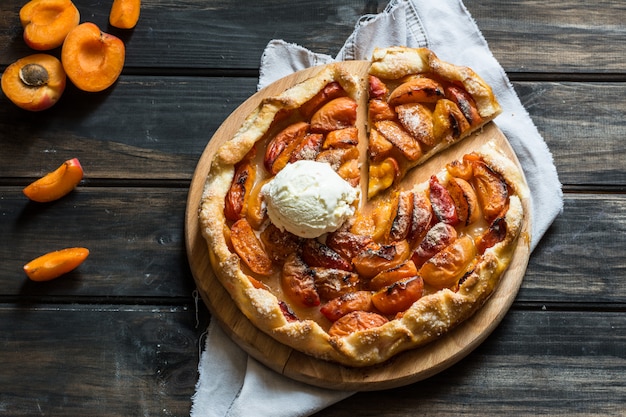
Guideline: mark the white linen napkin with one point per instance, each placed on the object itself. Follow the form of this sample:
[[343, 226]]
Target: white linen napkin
[[230, 383]]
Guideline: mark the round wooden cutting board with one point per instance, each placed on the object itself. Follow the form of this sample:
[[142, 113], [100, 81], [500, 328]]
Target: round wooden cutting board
[[403, 369]]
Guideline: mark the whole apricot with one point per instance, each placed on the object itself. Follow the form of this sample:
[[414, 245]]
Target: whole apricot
[[92, 59], [46, 23], [35, 82], [124, 13], [57, 183]]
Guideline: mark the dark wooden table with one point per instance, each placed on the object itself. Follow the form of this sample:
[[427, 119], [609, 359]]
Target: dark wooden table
[[120, 335]]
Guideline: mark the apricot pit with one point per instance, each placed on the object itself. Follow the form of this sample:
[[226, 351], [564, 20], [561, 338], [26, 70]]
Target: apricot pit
[[35, 82]]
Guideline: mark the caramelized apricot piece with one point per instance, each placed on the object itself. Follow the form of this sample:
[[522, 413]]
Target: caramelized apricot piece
[[331, 283], [381, 176], [341, 138], [375, 258], [465, 200], [279, 243], [336, 114], [315, 253], [421, 218], [379, 109], [308, 148], [92, 59], [398, 296], [461, 169], [494, 234], [336, 157], [330, 91], [400, 138], [449, 122], [46, 23], [417, 119], [249, 248], [57, 183], [238, 194], [338, 307], [35, 82], [377, 88], [54, 264], [442, 203], [491, 190], [465, 102], [351, 172], [445, 268], [390, 276], [347, 244], [437, 238], [298, 283], [277, 145], [355, 321], [416, 90], [401, 223], [124, 14], [256, 211], [378, 146], [257, 284]]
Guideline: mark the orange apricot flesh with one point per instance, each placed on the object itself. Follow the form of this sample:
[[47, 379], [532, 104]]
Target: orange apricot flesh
[[54, 264], [92, 59], [124, 13], [35, 82], [55, 184], [46, 23]]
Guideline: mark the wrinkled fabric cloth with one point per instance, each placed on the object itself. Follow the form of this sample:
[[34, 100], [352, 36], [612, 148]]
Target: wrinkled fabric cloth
[[230, 383]]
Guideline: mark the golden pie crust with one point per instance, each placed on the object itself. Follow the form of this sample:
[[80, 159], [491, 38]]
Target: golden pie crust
[[433, 314]]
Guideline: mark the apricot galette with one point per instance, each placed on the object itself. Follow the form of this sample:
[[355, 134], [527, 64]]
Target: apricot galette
[[318, 232]]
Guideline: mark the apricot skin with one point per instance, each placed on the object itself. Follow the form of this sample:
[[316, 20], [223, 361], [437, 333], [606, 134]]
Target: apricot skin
[[46, 23], [92, 59], [34, 97], [55, 184]]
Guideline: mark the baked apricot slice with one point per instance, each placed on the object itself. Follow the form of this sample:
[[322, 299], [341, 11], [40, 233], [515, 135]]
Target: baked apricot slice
[[331, 283], [446, 268], [398, 296], [376, 258], [491, 190], [46, 23], [465, 102], [236, 198], [354, 321], [381, 176], [92, 59], [338, 307], [336, 114], [442, 203], [416, 90], [55, 184], [35, 82], [390, 276], [438, 237], [400, 138], [417, 119], [279, 143], [298, 283], [249, 248], [54, 264], [448, 121], [330, 91], [124, 14], [465, 200]]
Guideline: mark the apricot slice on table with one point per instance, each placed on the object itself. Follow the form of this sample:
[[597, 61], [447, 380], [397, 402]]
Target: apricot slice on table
[[124, 13], [92, 59], [57, 183], [35, 82], [46, 23], [54, 264]]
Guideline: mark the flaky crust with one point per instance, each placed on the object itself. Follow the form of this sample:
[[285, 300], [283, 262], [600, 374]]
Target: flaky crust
[[427, 319]]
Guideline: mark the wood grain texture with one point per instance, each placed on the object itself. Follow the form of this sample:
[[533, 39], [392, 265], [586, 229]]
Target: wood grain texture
[[98, 360]]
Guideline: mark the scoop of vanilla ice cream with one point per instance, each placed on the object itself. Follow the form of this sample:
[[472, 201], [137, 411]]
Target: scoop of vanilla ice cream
[[308, 199]]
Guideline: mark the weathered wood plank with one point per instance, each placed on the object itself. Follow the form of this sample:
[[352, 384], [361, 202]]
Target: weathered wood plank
[[135, 238], [571, 36], [535, 363], [137, 246], [98, 360], [140, 130]]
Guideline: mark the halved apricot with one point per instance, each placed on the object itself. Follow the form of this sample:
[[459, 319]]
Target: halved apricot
[[249, 248], [57, 183], [46, 23], [336, 114], [398, 296], [354, 321], [400, 138], [35, 82], [347, 303], [491, 190], [417, 119], [124, 14], [92, 59], [390, 276], [376, 258]]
